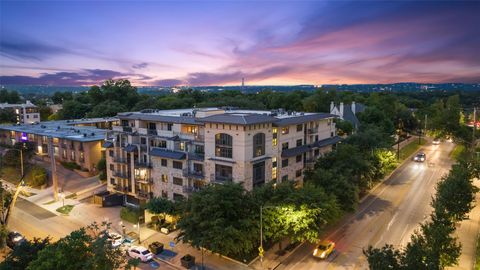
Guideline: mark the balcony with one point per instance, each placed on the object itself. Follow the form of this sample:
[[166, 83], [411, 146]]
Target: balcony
[[121, 188], [141, 194], [126, 129], [120, 160], [190, 189], [312, 130], [220, 179], [147, 181], [152, 132], [143, 164], [120, 174], [193, 174]]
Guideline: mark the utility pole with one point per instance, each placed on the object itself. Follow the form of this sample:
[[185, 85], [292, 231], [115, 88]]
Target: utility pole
[[21, 162], [426, 125], [53, 165]]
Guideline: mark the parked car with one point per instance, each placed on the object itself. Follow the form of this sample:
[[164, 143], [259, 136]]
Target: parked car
[[14, 239], [420, 157], [436, 141], [324, 249], [138, 252], [115, 238]]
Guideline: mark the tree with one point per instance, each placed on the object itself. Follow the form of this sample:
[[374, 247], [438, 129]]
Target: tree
[[385, 258], [161, 206], [86, 248], [23, 254], [221, 218], [11, 97], [343, 127], [6, 198], [102, 169]]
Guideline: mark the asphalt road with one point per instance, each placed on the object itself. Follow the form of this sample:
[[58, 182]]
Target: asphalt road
[[390, 214]]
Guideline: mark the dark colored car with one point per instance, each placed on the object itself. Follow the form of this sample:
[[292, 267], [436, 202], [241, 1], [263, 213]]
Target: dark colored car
[[14, 239]]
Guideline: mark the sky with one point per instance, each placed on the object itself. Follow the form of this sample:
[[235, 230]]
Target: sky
[[198, 43]]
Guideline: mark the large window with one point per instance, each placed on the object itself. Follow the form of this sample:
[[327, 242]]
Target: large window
[[223, 145], [259, 145], [223, 173], [258, 174], [177, 165], [274, 136]]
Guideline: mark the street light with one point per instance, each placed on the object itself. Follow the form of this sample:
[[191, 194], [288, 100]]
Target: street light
[[62, 195]]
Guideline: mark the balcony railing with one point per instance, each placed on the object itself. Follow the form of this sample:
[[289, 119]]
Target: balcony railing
[[120, 174], [127, 129], [142, 164], [193, 173], [190, 189], [122, 188], [144, 180], [120, 160], [152, 132], [143, 194], [312, 130], [220, 179]]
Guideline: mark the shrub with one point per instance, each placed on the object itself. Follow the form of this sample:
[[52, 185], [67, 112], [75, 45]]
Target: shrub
[[38, 176], [131, 215], [70, 165]]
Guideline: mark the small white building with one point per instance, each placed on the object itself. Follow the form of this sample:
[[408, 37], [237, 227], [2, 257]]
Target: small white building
[[24, 113]]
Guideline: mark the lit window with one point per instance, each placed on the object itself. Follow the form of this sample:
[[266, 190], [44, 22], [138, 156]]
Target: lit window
[[259, 145], [284, 130]]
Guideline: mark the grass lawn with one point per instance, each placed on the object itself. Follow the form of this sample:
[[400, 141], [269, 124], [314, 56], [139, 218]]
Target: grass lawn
[[65, 209], [410, 148], [458, 151], [10, 174]]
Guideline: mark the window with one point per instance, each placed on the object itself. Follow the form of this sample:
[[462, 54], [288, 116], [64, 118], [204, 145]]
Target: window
[[223, 173], [299, 158], [178, 181], [110, 153], [258, 174], [124, 123], [274, 162], [112, 167], [197, 167], [177, 197], [275, 135], [259, 145], [299, 142], [143, 140], [284, 145], [316, 138], [284, 162], [72, 155], [223, 145], [152, 126], [331, 134], [177, 165], [64, 153], [317, 152], [285, 178], [274, 174], [164, 178], [164, 194], [164, 162], [169, 126], [298, 173], [82, 157], [284, 130], [112, 181], [192, 129], [299, 128], [199, 149]]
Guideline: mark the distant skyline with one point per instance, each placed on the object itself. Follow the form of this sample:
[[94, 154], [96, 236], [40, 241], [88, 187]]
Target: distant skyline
[[195, 43]]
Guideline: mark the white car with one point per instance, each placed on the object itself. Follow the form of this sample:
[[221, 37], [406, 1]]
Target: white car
[[436, 141], [115, 238], [141, 253]]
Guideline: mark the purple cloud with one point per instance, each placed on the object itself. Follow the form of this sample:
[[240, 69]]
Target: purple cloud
[[140, 65]]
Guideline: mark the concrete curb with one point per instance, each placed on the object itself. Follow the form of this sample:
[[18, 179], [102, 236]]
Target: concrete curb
[[167, 262]]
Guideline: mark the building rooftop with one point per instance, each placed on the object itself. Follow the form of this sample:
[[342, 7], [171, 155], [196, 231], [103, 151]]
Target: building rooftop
[[64, 129], [227, 115], [27, 104]]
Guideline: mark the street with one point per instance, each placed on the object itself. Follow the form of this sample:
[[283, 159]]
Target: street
[[389, 214]]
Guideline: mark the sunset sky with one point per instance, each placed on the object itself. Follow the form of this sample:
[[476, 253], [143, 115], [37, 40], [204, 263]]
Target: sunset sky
[[219, 42]]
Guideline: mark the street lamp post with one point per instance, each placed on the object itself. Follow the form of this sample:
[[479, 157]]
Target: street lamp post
[[138, 231], [62, 195]]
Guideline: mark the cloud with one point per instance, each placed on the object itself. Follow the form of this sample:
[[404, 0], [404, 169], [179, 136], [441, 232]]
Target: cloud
[[167, 82], [84, 77], [140, 65], [29, 49]]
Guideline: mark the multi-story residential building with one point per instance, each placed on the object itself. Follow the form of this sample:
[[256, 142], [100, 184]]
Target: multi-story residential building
[[348, 112], [172, 153], [79, 141], [23, 113]]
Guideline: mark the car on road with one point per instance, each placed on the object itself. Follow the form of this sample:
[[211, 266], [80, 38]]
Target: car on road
[[324, 249], [436, 141], [14, 239], [420, 157], [141, 253], [115, 238]]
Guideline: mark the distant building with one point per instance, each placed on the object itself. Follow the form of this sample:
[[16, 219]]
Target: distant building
[[55, 107], [172, 153], [79, 141], [24, 113], [348, 112]]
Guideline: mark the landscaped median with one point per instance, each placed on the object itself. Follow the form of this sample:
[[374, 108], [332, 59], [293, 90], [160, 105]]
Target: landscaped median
[[66, 209]]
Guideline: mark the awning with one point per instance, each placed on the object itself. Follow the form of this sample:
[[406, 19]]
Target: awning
[[130, 148], [159, 152], [305, 148], [107, 144]]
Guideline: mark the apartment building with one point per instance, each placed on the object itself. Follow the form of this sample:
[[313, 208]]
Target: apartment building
[[172, 153], [23, 113], [78, 141]]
